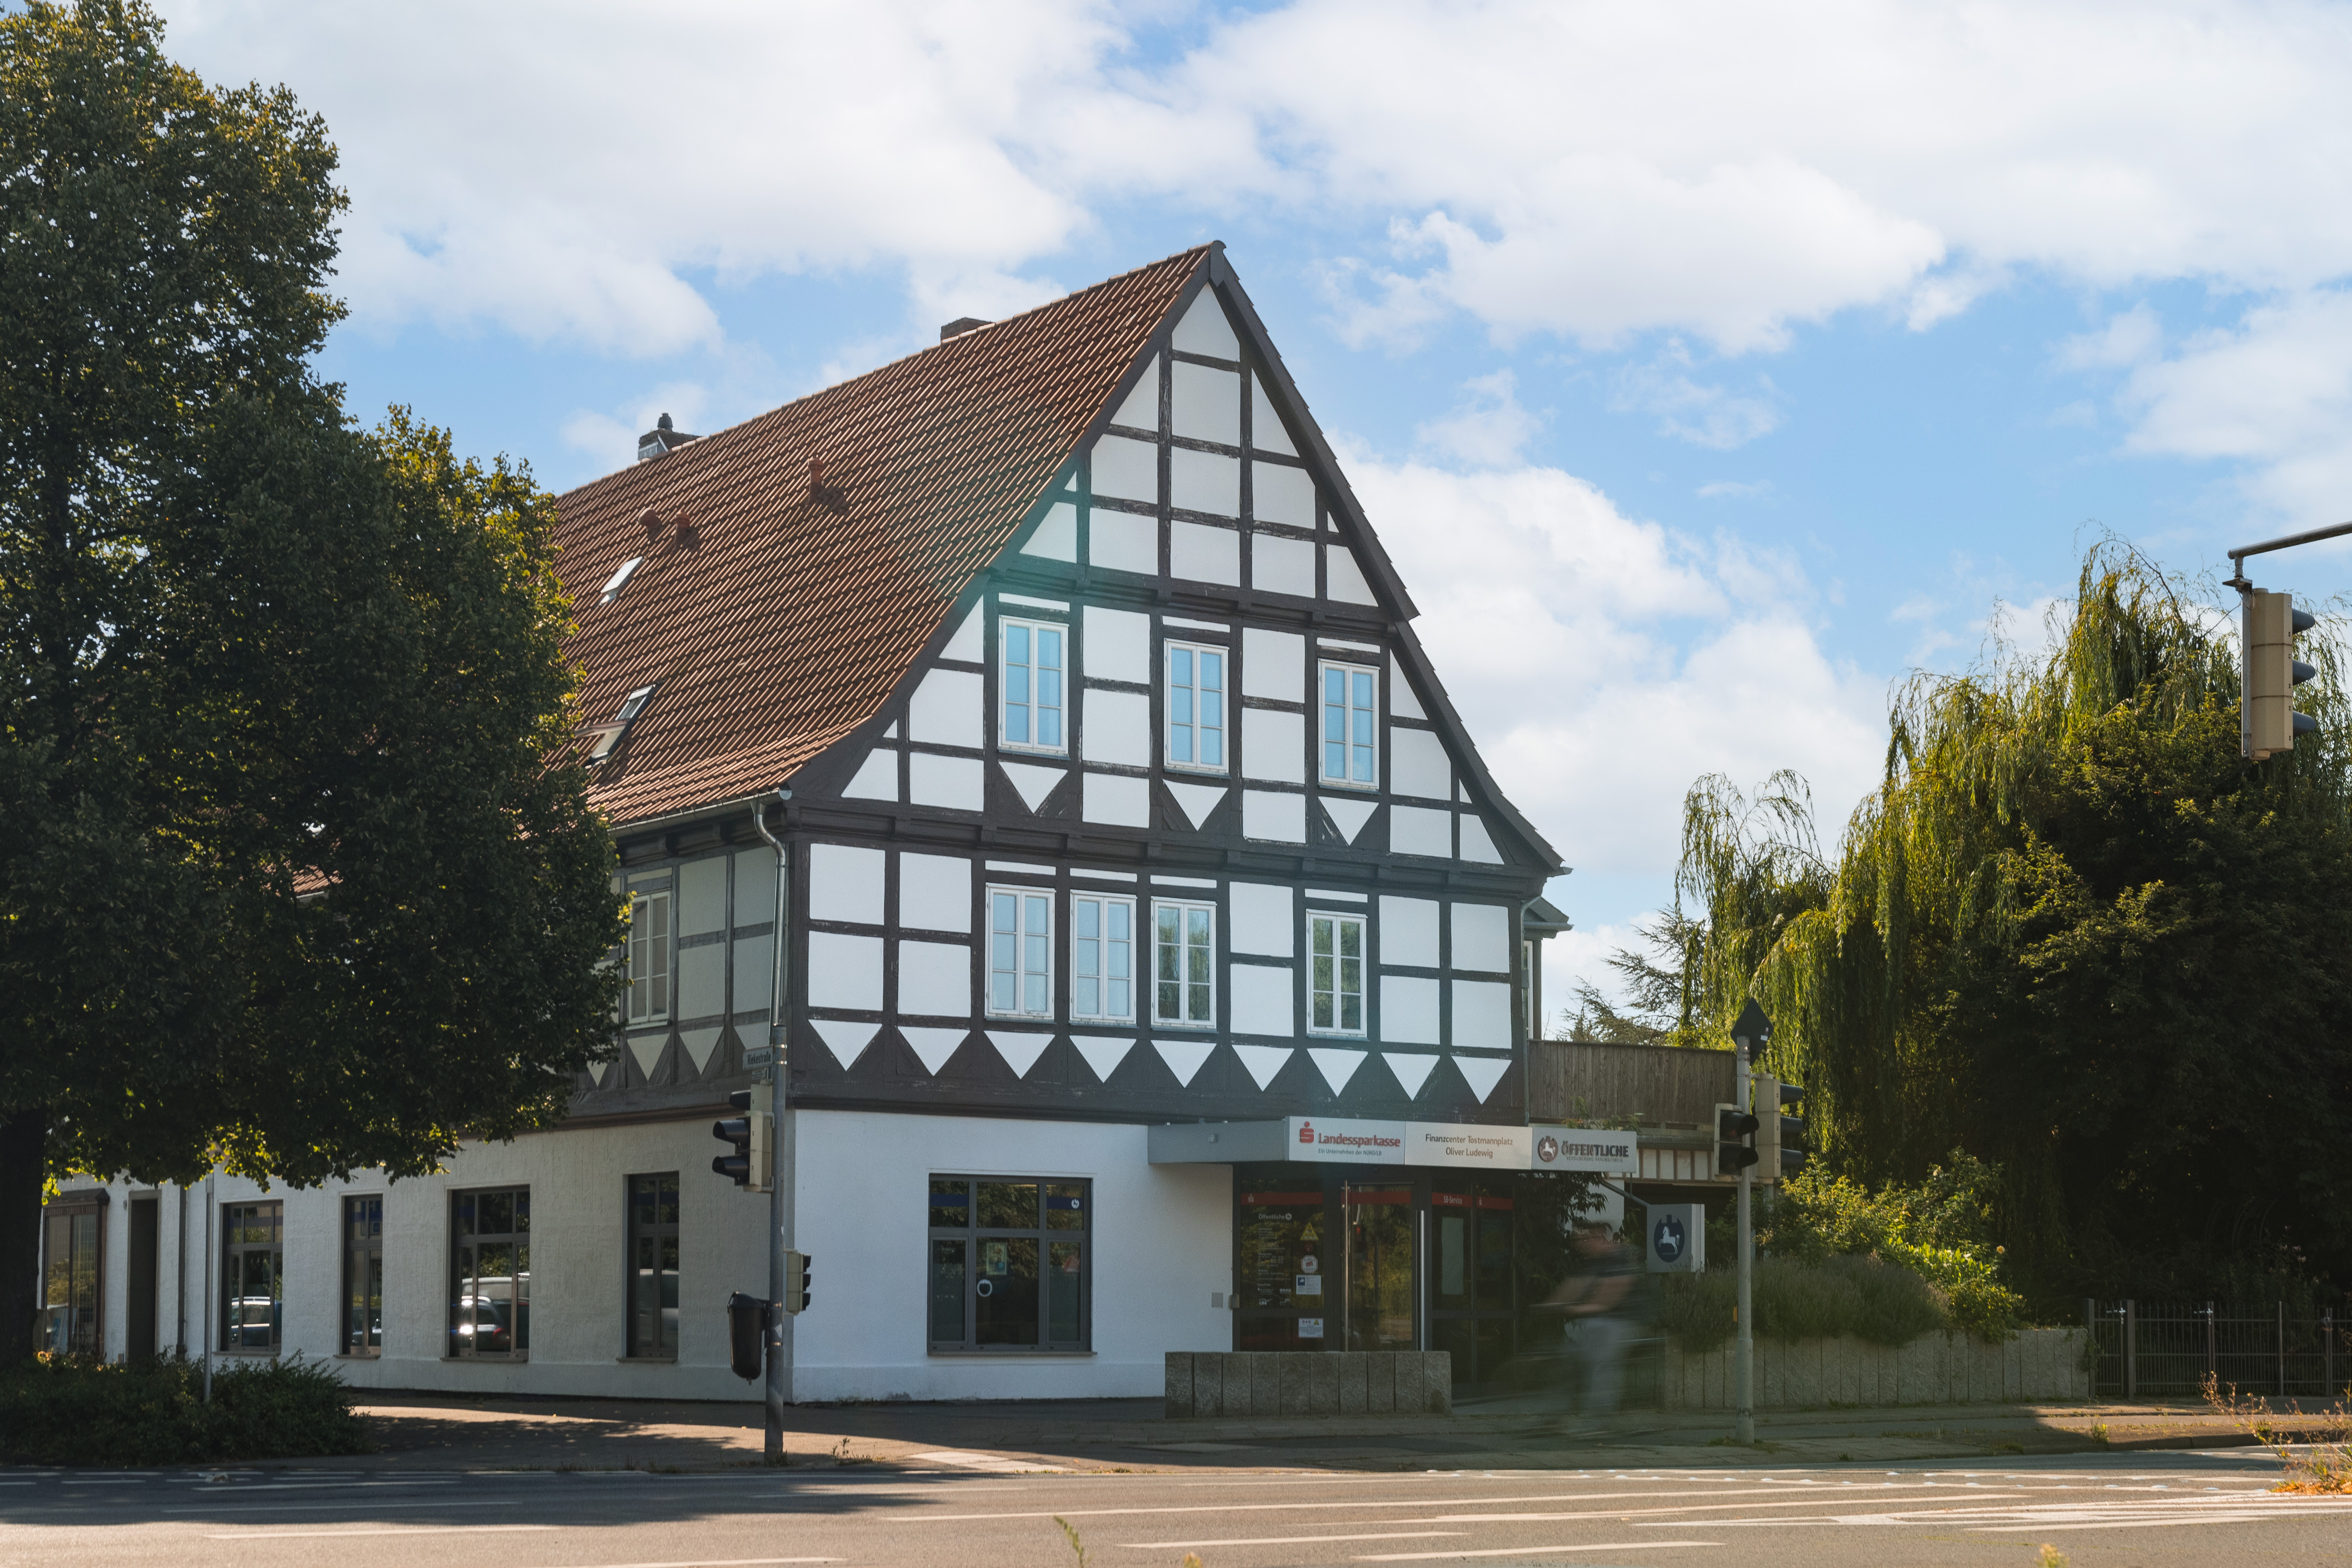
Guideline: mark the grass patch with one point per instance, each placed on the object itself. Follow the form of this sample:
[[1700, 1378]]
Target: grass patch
[[2321, 1465], [65, 1410]]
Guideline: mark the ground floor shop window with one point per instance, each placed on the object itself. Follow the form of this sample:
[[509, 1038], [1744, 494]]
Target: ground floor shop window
[[253, 1275], [653, 1267], [69, 1237], [1008, 1269], [489, 1272], [364, 1276]]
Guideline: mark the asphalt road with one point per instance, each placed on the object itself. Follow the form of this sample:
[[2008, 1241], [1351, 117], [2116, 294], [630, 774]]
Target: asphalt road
[[2139, 1509]]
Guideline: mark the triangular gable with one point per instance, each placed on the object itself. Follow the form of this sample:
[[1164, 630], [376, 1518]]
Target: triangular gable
[[1215, 499]]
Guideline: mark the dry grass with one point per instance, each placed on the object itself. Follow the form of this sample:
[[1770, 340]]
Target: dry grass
[[2321, 1463]]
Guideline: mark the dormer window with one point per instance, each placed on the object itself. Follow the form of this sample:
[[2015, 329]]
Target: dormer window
[[621, 578], [633, 705]]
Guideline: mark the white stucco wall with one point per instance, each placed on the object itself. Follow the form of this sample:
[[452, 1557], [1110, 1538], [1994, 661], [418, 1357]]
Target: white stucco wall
[[1162, 1242]]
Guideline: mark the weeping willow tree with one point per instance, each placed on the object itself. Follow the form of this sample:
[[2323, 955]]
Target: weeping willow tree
[[2072, 932]]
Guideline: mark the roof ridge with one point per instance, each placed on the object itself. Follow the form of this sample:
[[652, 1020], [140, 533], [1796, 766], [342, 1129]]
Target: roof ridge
[[1191, 253]]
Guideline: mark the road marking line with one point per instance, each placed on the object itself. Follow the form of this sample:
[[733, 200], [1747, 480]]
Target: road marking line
[[356, 1505], [401, 1530], [721, 1563], [1290, 1539], [1352, 1502], [1619, 1512], [1533, 1551]]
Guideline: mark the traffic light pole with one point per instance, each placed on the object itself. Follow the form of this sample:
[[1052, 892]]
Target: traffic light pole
[[781, 1166], [1743, 1344]]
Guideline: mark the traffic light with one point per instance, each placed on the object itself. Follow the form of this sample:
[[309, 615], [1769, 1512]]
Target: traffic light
[[2268, 626], [747, 1136], [796, 1281], [1735, 1140], [747, 1334], [1780, 1142]]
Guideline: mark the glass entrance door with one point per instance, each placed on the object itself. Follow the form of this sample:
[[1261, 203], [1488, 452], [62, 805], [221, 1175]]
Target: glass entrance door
[[1380, 1286], [1471, 1301]]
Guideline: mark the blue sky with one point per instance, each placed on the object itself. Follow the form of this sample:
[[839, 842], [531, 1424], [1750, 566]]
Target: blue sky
[[1705, 369]]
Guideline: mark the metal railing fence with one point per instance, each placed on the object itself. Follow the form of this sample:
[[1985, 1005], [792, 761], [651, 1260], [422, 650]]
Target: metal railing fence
[[2146, 1348]]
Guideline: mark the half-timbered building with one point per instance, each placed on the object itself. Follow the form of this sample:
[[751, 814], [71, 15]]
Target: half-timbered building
[[1026, 745]]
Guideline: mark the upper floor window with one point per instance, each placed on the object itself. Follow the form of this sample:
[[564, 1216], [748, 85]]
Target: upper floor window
[[1031, 679], [646, 1000], [1196, 707], [1021, 953], [1335, 945], [1102, 958], [1185, 964], [1350, 726]]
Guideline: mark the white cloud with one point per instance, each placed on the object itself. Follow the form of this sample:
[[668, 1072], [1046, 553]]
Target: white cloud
[[1702, 414], [1735, 490], [1575, 168], [568, 170], [1487, 426], [2276, 394], [2129, 338], [1635, 657]]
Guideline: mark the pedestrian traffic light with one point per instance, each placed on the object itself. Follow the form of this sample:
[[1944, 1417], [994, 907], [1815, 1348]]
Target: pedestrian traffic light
[[2268, 626], [747, 1334], [796, 1281], [1735, 1140], [747, 1136]]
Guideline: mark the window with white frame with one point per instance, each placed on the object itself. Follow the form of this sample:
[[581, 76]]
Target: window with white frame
[[1021, 953], [1350, 726], [1030, 677], [1196, 707], [1185, 964], [1102, 958], [1335, 949], [646, 1000]]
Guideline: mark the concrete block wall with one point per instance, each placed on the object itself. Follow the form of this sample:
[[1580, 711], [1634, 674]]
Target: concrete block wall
[[1273, 1384], [1947, 1368]]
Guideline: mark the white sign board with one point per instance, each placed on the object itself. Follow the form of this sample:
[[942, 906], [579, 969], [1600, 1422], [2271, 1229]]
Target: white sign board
[[1344, 1141], [1586, 1149], [1464, 1145]]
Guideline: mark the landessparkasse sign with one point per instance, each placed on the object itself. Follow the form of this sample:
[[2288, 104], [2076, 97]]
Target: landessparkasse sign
[[1587, 1149], [1461, 1145]]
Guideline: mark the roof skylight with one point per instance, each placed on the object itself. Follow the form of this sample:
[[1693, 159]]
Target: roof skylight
[[621, 578], [605, 739]]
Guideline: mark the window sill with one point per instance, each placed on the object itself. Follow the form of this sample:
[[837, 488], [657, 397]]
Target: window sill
[[1017, 749], [645, 1360], [1198, 771], [249, 1354], [512, 1359], [1079, 1023], [1188, 1028], [1019, 1017], [1326, 1034], [1347, 785], [358, 1355], [1010, 1350]]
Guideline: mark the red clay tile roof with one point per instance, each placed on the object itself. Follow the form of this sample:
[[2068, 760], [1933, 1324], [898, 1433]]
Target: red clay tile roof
[[791, 614]]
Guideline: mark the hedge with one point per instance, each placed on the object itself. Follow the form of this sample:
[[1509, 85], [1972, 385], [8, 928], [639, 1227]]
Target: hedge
[[70, 1410]]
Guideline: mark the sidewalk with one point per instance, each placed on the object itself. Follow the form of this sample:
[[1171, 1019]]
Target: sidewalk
[[442, 1432]]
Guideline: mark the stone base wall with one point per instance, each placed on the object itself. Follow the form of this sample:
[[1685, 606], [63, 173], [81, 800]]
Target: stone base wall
[[1309, 1382], [1935, 1369]]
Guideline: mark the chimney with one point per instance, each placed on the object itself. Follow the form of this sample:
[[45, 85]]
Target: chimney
[[961, 325], [661, 440]]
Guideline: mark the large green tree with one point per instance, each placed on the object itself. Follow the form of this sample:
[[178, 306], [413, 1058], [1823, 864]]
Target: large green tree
[[2074, 934], [287, 880]]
